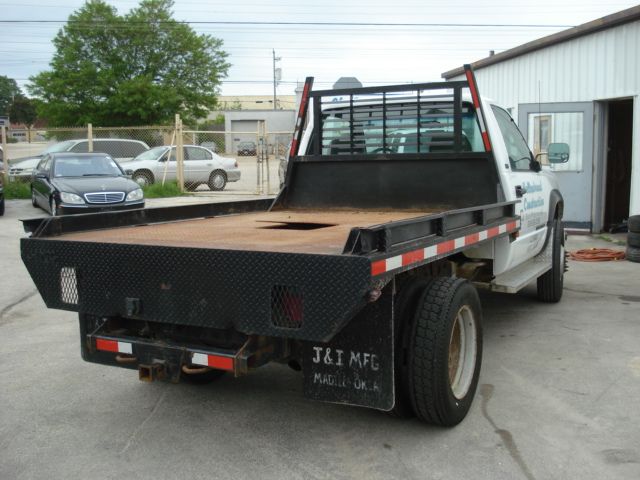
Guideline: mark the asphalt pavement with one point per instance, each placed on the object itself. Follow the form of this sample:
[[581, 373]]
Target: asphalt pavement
[[558, 399]]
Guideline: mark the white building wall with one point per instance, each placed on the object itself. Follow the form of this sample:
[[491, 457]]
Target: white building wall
[[600, 66]]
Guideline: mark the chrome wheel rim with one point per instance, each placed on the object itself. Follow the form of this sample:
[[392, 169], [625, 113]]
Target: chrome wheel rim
[[463, 351], [218, 181], [142, 181]]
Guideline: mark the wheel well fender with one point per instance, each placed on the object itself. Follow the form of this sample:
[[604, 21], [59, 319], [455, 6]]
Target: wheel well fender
[[556, 210], [218, 170]]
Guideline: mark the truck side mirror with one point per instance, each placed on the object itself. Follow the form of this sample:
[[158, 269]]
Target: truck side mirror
[[558, 152]]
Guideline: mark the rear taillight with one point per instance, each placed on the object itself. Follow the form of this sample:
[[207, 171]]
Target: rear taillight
[[287, 307]]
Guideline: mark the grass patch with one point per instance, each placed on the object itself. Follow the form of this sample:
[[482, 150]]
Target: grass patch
[[22, 190], [157, 190], [607, 238], [17, 190]]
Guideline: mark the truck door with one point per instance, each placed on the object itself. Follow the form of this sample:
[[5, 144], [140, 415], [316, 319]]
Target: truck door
[[531, 187]]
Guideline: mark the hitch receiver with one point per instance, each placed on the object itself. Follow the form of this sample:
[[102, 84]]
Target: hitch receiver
[[149, 373]]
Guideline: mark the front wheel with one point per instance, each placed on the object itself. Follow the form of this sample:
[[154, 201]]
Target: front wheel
[[551, 283], [144, 179], [445, 351], [53, 207]]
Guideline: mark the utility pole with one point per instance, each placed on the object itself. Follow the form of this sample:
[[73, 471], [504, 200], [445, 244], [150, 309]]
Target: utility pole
[[275, 80]]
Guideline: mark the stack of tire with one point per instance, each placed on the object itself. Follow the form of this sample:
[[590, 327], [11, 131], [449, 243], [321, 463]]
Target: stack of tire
[[633, 239]]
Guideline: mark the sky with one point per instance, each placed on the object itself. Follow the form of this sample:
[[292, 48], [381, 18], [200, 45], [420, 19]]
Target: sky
[[402, 41]]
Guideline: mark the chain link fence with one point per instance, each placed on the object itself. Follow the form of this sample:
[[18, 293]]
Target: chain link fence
[[249, 162]]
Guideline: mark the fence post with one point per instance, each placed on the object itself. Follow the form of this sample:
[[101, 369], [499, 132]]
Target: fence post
[[5, 153], [265, 167], [179, 154], [90, 137], [258, 163]]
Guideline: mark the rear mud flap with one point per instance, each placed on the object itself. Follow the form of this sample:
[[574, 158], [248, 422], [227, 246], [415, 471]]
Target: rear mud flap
[[356, 366]]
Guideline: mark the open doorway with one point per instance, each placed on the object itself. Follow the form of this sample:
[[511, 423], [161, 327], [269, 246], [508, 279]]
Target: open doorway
[[618, 174]]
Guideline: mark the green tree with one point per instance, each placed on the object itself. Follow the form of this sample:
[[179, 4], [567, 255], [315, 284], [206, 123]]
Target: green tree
[[140, 68], [8, 90], [23, 110]]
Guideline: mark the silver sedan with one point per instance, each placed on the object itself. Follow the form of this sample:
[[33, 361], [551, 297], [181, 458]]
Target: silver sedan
[[201, 166]]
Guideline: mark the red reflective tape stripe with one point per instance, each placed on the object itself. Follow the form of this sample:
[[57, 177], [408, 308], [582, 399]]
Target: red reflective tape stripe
[[485, 140], [473, 238], [412, 257], [512, 225], [472, 87], [445, 247], [493, 231], [107, 345], [220, 363], [378, 267], [294, 148]]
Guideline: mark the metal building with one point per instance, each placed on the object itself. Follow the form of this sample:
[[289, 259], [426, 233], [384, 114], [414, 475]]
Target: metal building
[[249, 125], [580, 86]]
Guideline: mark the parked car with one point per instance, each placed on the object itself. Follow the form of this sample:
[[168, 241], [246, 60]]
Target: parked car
[[83, 183], [282, 166], [201, 166], [246, 149], [118, 148]]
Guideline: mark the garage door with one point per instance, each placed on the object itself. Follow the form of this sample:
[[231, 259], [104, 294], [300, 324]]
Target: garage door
[[243, 131]]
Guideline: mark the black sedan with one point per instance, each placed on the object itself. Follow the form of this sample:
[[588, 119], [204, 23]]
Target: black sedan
[[65, 183]]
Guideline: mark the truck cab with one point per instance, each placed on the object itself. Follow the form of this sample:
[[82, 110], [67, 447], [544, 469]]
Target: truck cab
[[522, 177]]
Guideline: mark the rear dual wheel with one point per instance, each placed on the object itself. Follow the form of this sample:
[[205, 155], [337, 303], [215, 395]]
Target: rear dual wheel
[[440, 351]]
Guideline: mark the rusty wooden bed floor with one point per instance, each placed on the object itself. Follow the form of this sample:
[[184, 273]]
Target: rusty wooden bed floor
[[294, 231]]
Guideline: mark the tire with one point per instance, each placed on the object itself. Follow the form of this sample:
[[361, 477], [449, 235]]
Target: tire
[[202, 378], [143, 178], [551, 283], [633, 239], [405, 309], [34, 202], [217, 180], [633, 254], [633, 224], [445, 351], [1, 206], [53, 207]]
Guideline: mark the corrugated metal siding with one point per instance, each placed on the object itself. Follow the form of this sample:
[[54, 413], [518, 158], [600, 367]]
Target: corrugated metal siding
[[600, 66], [603, 65]]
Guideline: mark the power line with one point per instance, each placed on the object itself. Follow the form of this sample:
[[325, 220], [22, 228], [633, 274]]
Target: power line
[[281, 23]]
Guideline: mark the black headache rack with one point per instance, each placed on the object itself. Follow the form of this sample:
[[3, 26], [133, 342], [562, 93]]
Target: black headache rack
[[404, 147]]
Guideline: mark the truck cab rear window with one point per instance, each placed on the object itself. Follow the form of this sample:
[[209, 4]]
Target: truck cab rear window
[[398, 128]]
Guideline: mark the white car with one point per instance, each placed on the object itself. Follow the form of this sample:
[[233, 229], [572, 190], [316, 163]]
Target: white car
[[201, 166]]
